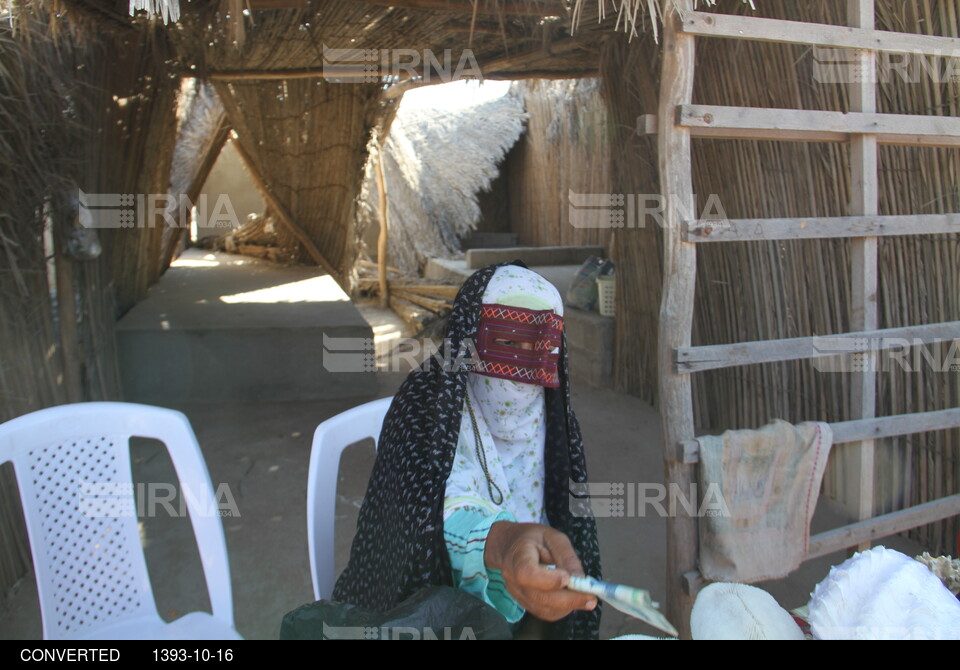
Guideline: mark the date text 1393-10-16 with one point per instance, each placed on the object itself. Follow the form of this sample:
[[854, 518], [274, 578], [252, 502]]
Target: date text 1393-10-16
[[199, 654]]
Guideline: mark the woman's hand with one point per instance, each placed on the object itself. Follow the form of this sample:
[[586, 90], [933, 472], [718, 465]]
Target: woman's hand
[[520, 551]]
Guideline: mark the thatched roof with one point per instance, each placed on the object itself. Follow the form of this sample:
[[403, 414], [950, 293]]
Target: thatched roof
[[303, 135], [435, 164], [202, 133]]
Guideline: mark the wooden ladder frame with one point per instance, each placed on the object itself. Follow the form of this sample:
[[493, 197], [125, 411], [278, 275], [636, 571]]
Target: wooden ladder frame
[[677, 123]]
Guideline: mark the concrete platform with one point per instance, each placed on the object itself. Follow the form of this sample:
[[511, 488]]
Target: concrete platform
[[225, 328]]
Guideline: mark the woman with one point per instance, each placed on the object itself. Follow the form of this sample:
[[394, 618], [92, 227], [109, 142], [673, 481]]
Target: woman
[[470, 486]]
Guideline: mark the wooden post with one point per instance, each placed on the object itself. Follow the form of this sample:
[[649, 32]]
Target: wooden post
[[67, 308], [863, 253], [382, 238], [676, 307]]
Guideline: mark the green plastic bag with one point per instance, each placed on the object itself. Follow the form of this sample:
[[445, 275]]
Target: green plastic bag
[[583, 293], [433, 613]]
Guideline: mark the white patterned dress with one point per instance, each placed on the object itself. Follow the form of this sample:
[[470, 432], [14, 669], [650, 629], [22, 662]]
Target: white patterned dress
[[511, 421]]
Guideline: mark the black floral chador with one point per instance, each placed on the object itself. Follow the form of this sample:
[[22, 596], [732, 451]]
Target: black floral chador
[[399, 546]]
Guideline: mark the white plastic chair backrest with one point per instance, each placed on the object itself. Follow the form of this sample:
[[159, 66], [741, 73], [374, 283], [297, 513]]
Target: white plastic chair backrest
[[330, 439], [72, 465]]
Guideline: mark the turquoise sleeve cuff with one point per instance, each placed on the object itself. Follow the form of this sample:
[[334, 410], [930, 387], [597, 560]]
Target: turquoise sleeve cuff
[[465, 531]]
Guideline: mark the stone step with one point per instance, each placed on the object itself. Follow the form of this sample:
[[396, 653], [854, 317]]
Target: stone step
[[488, 241], [478, 258]]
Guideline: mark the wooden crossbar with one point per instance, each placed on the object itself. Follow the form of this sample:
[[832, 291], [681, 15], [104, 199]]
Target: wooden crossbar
[[752, 230], [845, 432], [720, 356], [864, 532], [705, 24], [803, 125], [861, 532]]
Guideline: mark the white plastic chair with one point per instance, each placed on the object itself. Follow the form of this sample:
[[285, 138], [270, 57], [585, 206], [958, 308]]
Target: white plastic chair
[[330, 439], [72, 465]]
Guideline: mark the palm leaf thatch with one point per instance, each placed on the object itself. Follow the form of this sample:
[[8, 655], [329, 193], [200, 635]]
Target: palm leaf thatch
[[566, 148], [201, 134], [202, 131], [434, 167], [634, 17], [39, 163]]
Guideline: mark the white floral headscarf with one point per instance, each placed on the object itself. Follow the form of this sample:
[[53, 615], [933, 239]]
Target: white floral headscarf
[[510, 417]]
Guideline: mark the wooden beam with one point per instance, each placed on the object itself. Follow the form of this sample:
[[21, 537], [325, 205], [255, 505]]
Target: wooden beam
[[269, 5], [563, 60], [433, 304], [300, 73], [818, 126], [559, 60], [283, 215], [509, 31], [714, 357], [512, 75], [863, 532], [442, 291], [752, 230], [539, 8], [397, 90], [688, 451], [497, 74], [676, 307], [485, 7], [647, 125], [864, 201], [814, 34], [893, 426], [72, 380], [858, 430]]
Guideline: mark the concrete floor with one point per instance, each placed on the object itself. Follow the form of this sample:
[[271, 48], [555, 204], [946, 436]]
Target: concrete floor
[[224, 328], [261, 450]]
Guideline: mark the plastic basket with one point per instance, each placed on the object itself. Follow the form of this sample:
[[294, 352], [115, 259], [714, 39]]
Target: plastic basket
[[607, 287]]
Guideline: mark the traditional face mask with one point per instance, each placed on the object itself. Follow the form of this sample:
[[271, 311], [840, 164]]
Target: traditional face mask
[[518, 344]]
